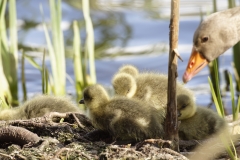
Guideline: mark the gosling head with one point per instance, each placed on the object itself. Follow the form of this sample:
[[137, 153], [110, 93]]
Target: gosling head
[[129, 69], [94, 96], [186, 106], [124, 84]]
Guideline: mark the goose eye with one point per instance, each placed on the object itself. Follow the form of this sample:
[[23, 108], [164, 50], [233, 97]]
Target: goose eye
[[204, 39], [184, 106]]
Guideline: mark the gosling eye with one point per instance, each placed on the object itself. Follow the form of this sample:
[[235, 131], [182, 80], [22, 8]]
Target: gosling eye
[[204, 39], [87, 97], [184, 106]]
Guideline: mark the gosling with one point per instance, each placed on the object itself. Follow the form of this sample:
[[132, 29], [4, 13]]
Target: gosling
[[129, 69], [150, 87], [39, 106], [197, 123], [124, 118]]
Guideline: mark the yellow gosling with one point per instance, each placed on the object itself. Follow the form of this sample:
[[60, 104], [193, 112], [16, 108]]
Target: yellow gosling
[[123, 118]]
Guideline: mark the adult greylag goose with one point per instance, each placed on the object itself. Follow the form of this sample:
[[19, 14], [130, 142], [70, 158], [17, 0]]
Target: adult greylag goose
[[217, 33]]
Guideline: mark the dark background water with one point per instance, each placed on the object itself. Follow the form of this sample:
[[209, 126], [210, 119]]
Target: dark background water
[[142, 32]]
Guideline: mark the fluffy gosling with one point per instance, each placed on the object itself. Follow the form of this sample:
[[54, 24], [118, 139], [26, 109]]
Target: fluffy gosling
[[129, 69], [196, 122], [39, 106], [150, 87], [123, 118]]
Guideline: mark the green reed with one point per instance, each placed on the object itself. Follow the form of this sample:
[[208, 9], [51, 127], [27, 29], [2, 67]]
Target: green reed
[[89, 47], [217, 98], [80, 77], [56, 49], [23, 79], [236, 51], [56, 81], [9, 54]]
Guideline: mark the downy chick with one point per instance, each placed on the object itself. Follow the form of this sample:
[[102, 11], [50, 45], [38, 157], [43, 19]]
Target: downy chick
[[129, 69], [150, 87], [121, 87], [123, 118], [39, 106], [196, 122]]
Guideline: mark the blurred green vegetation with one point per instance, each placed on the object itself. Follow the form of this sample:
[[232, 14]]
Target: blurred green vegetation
[[217, 98], [53, 82], [9, 54], [236, 53]]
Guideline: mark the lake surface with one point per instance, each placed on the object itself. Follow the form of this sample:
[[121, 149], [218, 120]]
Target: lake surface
[[147, 35]]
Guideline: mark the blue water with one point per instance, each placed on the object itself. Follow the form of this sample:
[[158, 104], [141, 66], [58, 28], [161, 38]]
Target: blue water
[[146, 32]]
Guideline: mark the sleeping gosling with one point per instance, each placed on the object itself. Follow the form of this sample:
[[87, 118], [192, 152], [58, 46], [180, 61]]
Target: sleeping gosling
[[197, 123], [39, 106], [123, 118]]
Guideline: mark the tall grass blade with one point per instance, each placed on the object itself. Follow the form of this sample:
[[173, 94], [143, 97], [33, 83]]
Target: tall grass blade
[[231, 3], [237, 108], [5, 92], [236, 51], [214, 5], [235, 115], [77, 60], [218, 93], [236, 75], [58, 44], [236, 57], [4, 86], [215, 99], [90, 40], [32, 62], [43, 70], [3, 31], [44, 75], [23, 79], [218, 103], [13, 52], [13, 29], [56, 49]]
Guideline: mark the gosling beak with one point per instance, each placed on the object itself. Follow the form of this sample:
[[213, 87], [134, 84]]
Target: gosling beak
[[179, 113], [195, 64], [81, 101]]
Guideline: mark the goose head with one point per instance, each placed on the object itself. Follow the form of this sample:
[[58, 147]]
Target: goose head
[[217, 33], [124, 84], [186, 106], [94, 96]]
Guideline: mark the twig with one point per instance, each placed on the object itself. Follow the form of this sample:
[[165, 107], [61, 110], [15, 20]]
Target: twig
[[79, 123], [21, 157], [5, 155], [172, 152], [171, 122]]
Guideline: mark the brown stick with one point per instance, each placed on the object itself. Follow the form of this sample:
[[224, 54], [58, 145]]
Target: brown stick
[[171, 123], [18, 135]]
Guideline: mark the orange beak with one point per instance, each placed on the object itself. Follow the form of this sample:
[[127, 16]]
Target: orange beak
[[195, 64]]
